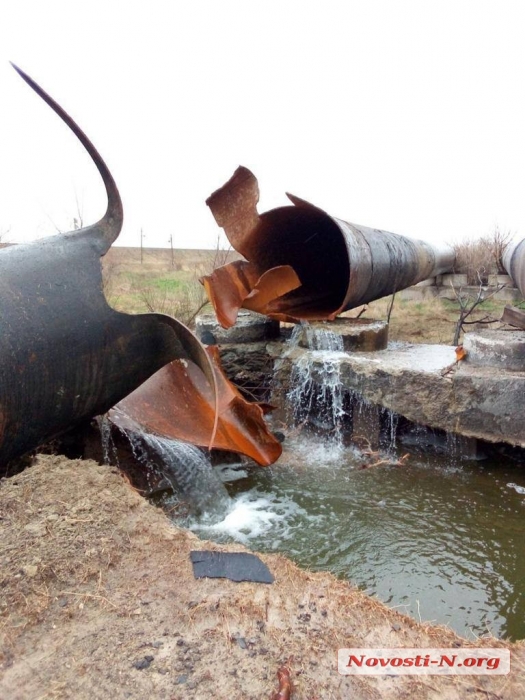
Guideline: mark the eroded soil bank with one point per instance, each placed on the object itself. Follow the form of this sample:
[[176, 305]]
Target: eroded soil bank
[[98, 600]]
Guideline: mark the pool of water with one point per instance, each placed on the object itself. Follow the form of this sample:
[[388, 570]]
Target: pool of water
[[437, 538]]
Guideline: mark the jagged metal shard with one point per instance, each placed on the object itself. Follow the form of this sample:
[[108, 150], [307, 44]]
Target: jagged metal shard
[[170, 405], [302, 264], [65, 355]]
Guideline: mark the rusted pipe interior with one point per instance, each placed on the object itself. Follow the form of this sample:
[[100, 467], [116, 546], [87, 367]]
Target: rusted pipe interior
[[309, 241], [303, 264]]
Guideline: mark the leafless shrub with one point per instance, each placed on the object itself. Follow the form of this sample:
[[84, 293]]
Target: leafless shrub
[[188, 298], [219, 256], [185, 307], [468, 303], [480, 257]]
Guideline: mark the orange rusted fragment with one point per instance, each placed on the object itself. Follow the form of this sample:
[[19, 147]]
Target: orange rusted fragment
[[241, 283], [461, 353], [271, 285], [178, 402], [234, 207], [235, 282], [238, 284], [285, 685]]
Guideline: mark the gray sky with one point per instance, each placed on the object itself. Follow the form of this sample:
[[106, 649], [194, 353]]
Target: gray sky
[[406, 115]]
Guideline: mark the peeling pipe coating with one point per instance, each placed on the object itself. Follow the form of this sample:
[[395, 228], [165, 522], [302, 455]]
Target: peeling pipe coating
[[302, 264]]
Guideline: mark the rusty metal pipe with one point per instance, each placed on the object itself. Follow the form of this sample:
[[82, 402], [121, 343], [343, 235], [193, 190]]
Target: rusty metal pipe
[[302, 264]]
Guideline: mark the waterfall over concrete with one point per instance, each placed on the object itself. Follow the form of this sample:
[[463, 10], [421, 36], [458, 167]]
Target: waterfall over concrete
[[318, 400]]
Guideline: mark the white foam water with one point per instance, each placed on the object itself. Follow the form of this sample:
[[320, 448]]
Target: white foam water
[[307, 451], [518, 489], [253, 515]]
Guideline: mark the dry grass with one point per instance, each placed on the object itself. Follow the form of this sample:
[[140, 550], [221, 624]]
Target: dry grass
[[480, 257], [427, 321], [159, 283], [156, 285]]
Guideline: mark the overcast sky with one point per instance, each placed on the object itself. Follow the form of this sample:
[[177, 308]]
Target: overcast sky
[[406, 115]]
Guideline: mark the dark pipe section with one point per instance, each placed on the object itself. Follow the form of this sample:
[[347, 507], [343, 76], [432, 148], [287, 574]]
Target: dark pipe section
[[65, 355]]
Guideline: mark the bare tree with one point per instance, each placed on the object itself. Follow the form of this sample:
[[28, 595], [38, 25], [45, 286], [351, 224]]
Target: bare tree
[[469, 303]]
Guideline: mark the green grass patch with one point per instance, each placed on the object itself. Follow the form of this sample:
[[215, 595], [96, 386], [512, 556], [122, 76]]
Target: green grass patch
[[168, 284]]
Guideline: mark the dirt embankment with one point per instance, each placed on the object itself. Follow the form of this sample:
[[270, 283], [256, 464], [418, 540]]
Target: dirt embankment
[[98, 600]]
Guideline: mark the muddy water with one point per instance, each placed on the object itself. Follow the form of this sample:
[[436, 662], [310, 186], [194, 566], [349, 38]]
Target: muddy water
[[437, 538]]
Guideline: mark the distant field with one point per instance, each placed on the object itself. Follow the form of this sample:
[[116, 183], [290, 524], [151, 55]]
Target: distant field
[[171, 285], [164, 259], [158, 279]]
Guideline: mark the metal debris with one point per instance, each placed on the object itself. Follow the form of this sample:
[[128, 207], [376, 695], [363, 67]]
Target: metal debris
[[302, 264], [285, 685], [65, 355], [178, 402]]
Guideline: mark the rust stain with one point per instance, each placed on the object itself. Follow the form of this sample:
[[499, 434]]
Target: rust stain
[[302, 264], [178, 402], [461, 353]]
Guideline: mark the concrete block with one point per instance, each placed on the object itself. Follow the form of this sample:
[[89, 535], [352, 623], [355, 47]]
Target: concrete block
[[249, 328], [498, 349], [454, 280], [358, 335], [414, 381], [496, 280]]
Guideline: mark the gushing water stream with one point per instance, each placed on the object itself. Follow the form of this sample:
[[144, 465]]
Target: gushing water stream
[[187, 469], [318, 398]]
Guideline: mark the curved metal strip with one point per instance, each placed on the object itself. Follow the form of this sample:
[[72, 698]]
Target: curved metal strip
[[176, 402], [514, 262], [108, 228]]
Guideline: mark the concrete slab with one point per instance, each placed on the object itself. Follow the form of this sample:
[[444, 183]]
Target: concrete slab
[[356, 334], [249, 328], [424, 384], [504, 349]]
